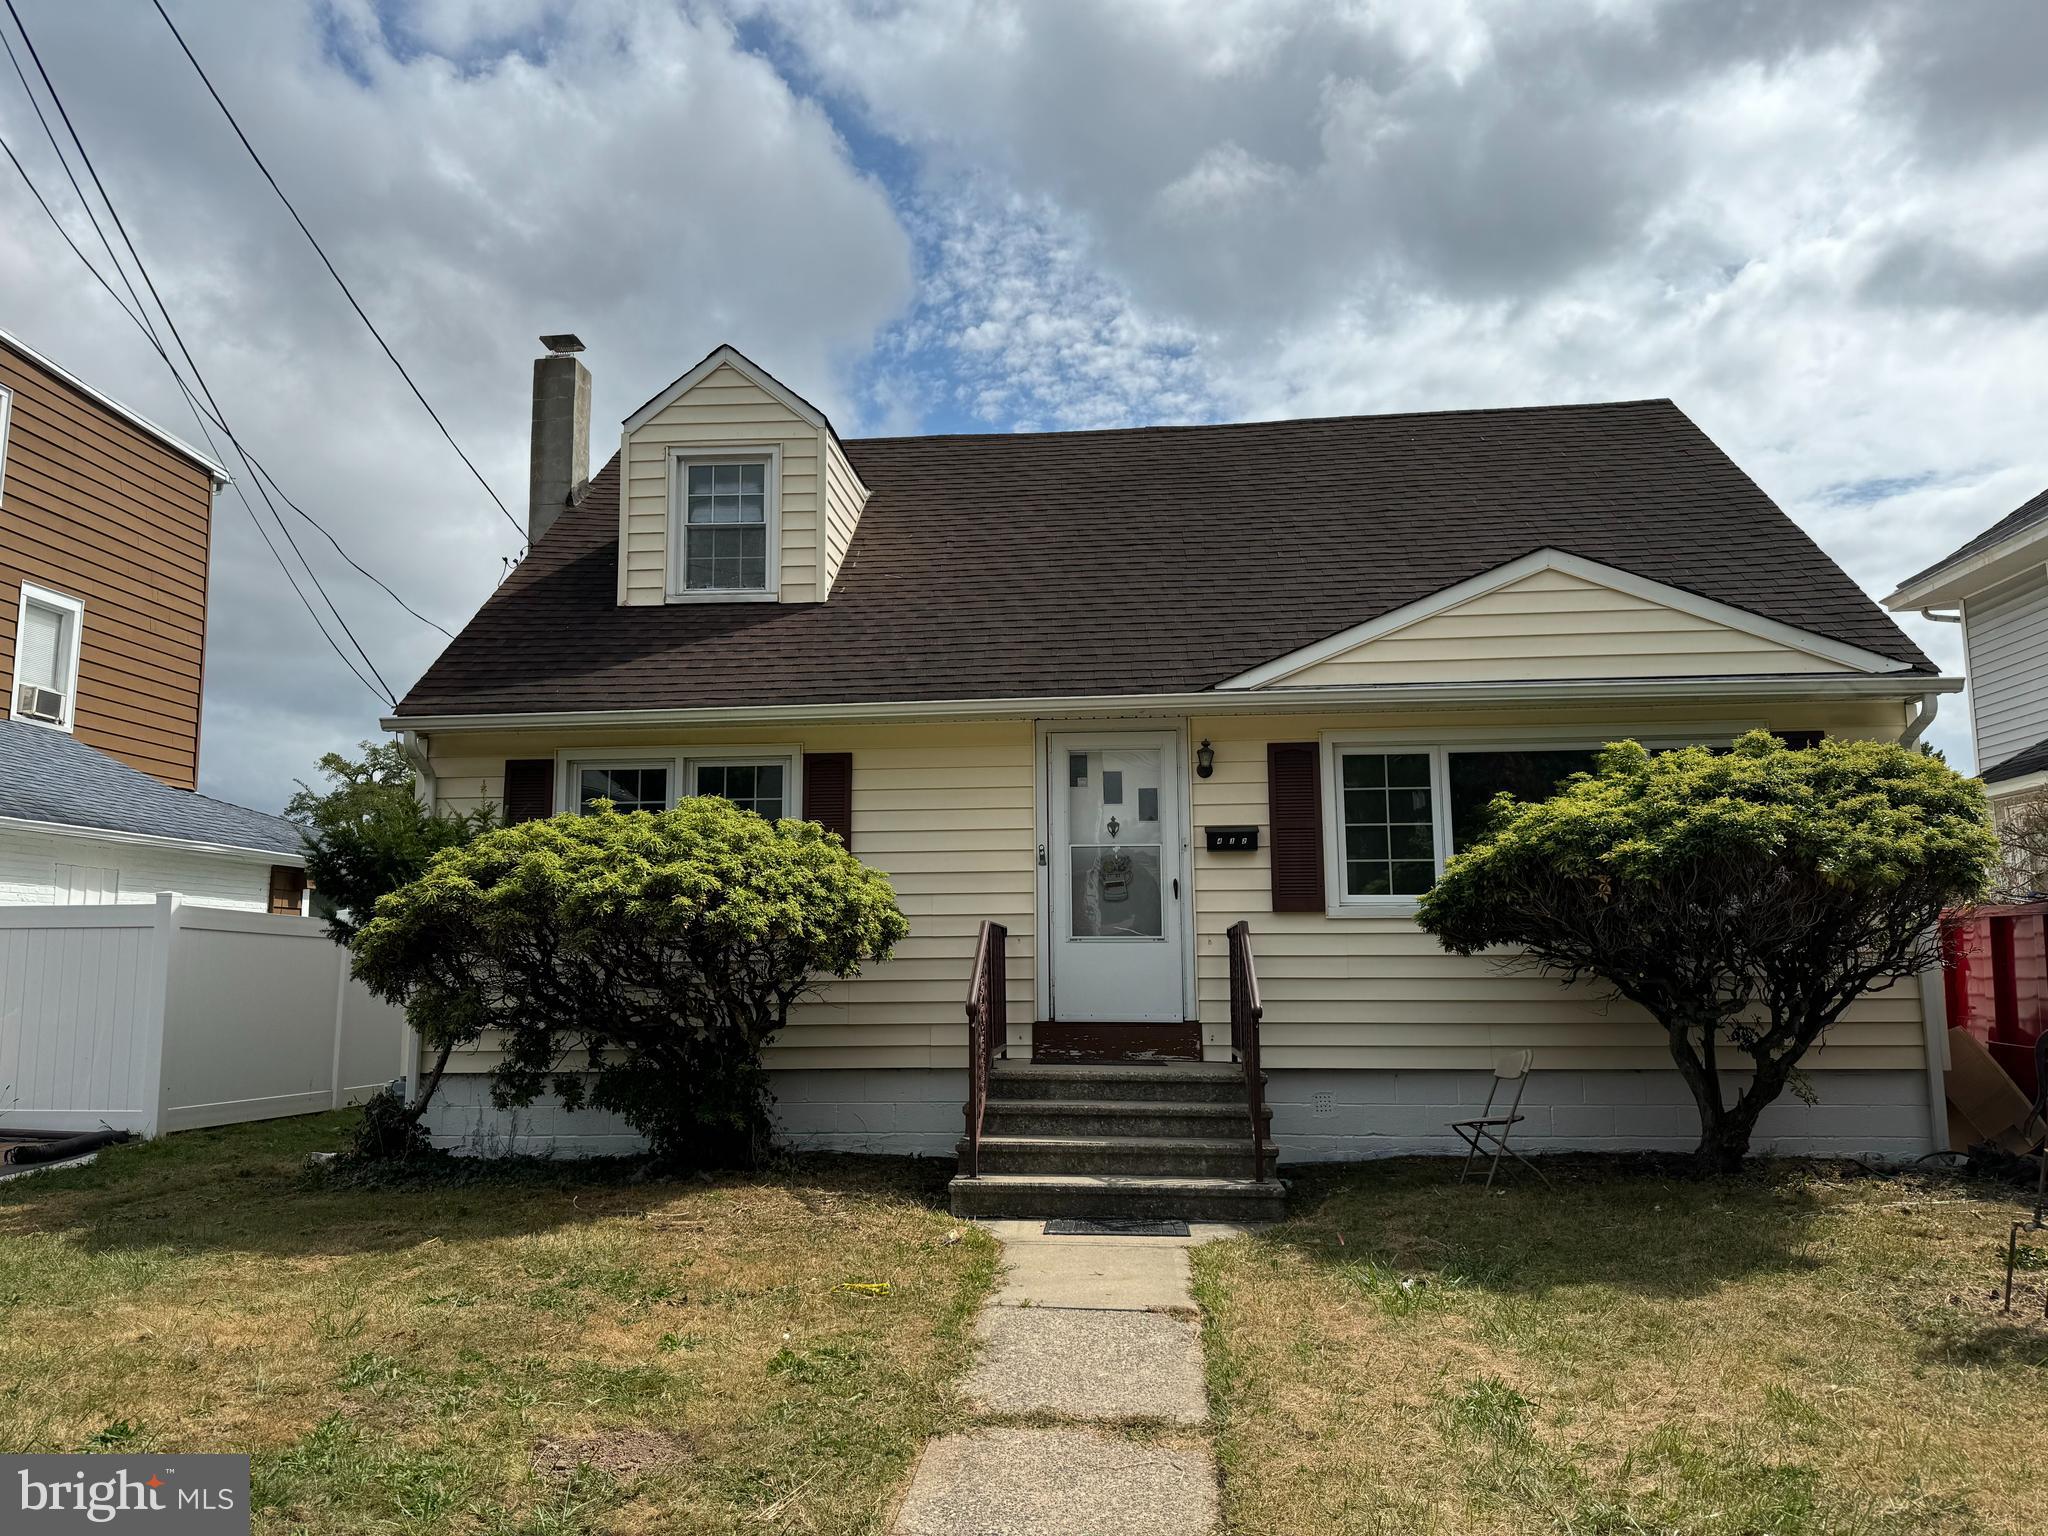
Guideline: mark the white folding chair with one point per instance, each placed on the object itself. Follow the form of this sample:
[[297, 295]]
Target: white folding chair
[[1490, 1131]]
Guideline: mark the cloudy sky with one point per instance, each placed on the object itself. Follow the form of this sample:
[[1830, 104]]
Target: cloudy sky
[[1821, 228]]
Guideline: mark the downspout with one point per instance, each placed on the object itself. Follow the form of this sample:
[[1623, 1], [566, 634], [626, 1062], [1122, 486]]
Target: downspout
[[1930, 706], [1933, 980], [416, 746], [1934, 1025], [1935, 617]]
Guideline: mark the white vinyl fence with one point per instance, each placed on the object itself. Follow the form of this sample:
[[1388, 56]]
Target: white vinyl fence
[[170, 1016]]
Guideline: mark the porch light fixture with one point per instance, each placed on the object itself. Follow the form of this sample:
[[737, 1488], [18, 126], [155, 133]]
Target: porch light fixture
[[1205, 759]]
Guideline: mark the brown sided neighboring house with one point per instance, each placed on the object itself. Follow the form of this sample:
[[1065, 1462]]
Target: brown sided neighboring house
[[1121, 692], [105, 531]]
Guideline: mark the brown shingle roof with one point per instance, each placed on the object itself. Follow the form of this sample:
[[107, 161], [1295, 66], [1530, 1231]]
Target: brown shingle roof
[[1150, 560]]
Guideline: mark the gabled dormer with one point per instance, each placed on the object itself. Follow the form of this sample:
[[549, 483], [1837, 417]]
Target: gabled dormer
[[733, 488]]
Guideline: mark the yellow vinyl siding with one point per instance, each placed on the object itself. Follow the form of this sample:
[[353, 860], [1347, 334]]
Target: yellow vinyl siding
[[946, 810], [1379, 992], [1552, 624], [724, 411], [845, 496]]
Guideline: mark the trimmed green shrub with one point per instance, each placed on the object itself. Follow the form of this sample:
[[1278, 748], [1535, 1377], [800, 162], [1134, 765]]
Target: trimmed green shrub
[[1744, 899], [635, 962]]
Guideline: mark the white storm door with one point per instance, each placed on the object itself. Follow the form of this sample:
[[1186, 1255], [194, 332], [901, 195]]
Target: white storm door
[[1114, 873]]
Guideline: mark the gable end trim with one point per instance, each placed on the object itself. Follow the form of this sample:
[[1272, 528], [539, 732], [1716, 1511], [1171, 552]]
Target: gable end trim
[[1793, 638], [728, 356]]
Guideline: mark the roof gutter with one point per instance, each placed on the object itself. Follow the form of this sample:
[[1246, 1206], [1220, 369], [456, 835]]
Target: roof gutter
[[150, 840], [1898, 685]]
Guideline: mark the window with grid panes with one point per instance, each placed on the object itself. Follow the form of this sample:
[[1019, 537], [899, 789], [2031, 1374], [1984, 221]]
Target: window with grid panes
[[1389, 823], [725, 527]]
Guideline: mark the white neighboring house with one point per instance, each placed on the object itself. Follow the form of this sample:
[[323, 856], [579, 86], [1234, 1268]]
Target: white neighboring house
[[1996, 585], [80, 827]]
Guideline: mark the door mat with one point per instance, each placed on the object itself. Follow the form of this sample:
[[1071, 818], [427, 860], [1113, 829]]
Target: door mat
[[1066, 1227]]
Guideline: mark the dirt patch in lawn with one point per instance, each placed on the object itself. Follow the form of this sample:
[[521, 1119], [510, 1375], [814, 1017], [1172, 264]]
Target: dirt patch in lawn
[[625, 1455]]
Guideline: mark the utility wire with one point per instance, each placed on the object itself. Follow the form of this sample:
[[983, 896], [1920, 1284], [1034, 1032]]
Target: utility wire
[[331, 272], [199, 377], [192, 400]]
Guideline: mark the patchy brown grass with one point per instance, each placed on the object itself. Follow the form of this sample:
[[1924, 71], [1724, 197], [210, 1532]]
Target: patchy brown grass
[[1806, 1351], [554, 1352]]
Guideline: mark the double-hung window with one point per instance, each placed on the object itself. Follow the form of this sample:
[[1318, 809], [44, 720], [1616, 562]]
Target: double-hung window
[[629, 786], [758, 779], [46, 639], [724, 525], [1396, 811], [758, 785]]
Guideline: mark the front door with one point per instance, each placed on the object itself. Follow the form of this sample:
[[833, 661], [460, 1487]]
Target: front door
[[1114, 873]]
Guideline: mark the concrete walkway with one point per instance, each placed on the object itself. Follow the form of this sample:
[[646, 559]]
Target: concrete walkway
[[1090, 1390]]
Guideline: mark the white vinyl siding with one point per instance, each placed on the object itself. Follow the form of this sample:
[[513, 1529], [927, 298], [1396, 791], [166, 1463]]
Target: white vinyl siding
[[2006, 632], [1553, 624], [37, 869]]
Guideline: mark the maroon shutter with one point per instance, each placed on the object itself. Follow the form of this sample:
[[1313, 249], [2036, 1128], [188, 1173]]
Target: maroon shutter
[[529, 788], [828, 792], [1294, 814]]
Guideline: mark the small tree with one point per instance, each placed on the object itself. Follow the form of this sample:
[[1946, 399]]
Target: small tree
[[367, 834], [1742, 899], [638, 962]]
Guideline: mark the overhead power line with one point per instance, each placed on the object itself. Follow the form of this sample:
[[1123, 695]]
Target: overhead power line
[[192, 401], [347, 292], [382, 688]]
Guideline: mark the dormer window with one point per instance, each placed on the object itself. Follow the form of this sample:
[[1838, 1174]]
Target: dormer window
[[724, 524]]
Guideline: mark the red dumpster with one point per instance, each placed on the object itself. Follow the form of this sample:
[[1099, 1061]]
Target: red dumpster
[[1995, 967]]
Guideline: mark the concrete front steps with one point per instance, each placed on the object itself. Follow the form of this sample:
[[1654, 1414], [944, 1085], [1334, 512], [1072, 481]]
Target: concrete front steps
[[1146, 1143]]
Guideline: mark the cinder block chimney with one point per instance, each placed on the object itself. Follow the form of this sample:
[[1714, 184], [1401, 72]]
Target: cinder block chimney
[[561, 433]]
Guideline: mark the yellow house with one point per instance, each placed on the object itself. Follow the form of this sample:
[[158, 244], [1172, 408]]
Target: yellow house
[[1119, 691]]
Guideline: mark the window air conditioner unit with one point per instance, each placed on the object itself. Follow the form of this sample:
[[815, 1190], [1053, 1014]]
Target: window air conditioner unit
[[39, 703]]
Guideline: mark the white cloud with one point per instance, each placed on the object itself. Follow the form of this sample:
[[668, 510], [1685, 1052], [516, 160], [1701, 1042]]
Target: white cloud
[[1817, 227], [1802, 223], [624, 171]]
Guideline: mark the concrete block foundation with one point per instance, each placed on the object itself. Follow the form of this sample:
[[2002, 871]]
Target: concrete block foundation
[[1318, 1115]]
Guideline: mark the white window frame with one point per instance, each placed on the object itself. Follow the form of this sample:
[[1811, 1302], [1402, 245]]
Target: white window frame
[[576, 767], [681, 763], [6, 416], [74, 616], [790, 759], [680, 461], [1439, 745]]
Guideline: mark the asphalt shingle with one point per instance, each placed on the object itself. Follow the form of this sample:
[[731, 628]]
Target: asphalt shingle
[[51, 776], [1150, 560]]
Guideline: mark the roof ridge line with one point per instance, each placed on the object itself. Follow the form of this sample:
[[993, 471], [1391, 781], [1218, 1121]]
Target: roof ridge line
[[1278, 421]]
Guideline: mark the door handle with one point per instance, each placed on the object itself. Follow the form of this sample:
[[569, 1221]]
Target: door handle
[[1176, 887]]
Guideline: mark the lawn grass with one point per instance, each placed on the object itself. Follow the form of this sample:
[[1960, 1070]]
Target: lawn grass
[[549, 1352], [1803, 1352]]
